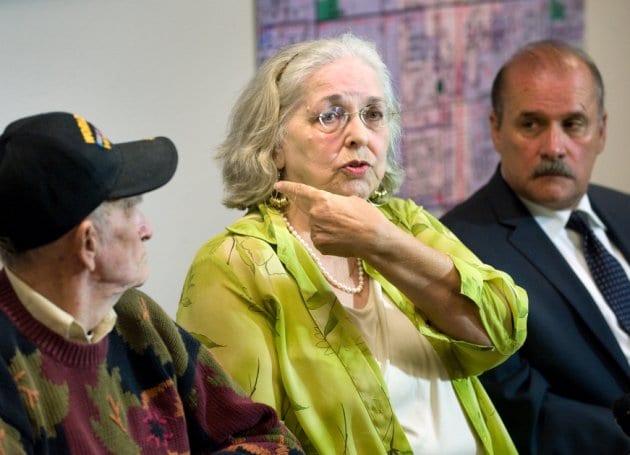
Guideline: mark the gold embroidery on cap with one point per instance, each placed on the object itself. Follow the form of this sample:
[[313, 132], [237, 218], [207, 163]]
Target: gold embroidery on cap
[[101, 139], [88, 137]]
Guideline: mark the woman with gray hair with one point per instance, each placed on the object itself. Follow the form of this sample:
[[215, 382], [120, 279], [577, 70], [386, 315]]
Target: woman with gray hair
[[358, 316]]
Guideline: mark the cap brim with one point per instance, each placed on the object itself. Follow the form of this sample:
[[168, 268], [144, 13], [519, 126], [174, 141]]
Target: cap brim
[[146, 165]]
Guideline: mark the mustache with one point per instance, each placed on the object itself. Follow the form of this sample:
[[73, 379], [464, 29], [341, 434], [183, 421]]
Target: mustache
[[553, 168]]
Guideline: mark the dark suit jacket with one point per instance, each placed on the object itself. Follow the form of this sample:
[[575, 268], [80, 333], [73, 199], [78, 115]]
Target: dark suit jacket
[[555, 395]]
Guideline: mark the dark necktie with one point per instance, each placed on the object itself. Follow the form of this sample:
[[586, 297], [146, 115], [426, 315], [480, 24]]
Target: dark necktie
[[609, 275]]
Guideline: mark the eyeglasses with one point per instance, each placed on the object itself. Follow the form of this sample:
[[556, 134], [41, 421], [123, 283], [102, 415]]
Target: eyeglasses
[[373, 116]]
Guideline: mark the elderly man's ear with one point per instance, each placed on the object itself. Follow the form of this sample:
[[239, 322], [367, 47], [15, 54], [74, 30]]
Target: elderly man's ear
[[85, 242]]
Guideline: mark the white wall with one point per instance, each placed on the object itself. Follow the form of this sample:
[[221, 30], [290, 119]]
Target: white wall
[[161, 67], [136, 69], [607, 40]]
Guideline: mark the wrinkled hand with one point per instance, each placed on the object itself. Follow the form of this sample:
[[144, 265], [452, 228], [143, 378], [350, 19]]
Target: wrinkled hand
[[345, 226]]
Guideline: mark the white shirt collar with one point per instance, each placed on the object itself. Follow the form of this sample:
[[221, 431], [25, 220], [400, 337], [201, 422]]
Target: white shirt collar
[[56, 319], [556, 220]]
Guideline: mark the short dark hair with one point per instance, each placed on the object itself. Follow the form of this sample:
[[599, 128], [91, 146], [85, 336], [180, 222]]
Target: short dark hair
[[534, 50]]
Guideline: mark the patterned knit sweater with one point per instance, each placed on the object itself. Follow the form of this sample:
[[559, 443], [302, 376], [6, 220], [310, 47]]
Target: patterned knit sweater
[[146, 388]]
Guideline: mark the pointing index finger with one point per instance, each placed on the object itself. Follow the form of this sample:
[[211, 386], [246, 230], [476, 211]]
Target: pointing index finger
[[302, 194]]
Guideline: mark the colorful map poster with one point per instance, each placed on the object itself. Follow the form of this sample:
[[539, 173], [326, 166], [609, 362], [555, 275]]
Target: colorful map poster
[[443, 56]]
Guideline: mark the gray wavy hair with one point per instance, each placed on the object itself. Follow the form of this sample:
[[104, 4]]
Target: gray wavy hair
[[258, 120]]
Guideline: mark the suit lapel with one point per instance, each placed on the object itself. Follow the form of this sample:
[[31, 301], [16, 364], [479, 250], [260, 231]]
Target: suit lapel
[[531, 242]]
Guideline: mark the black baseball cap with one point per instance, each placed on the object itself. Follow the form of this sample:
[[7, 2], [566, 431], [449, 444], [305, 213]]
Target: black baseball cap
[[56, 168]]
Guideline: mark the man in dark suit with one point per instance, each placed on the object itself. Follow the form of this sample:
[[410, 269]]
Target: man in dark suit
[[548, 124]]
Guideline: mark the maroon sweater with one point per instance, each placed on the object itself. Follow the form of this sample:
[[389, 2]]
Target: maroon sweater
[[146, 388]]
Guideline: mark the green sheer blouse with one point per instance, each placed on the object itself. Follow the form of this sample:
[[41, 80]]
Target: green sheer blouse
[[255, 297]]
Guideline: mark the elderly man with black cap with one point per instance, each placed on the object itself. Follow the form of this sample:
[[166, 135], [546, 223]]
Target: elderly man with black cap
[[88, 364]]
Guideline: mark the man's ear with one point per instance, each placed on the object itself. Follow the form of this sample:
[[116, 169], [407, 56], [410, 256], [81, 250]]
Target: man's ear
[[86, 242], [495, 125], [602, 131]]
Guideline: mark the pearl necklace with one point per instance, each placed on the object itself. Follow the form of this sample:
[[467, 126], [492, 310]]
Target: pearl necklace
[[329, 277]]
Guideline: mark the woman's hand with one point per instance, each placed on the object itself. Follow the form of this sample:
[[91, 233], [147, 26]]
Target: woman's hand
[[345, 226]]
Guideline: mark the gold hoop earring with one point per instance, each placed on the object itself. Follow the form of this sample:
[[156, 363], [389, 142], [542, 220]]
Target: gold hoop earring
[[278, 201], [378, 197]]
